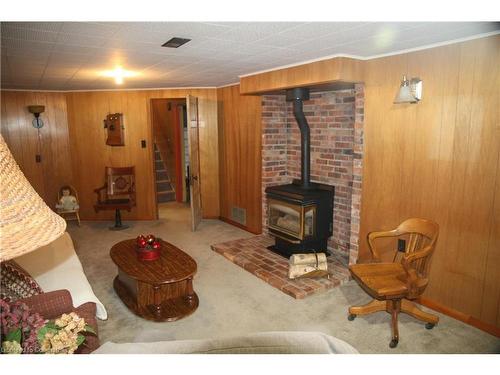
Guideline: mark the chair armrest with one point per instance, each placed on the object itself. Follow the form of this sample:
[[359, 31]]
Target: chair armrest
[[98, 190], [410, 258], [372, 236], [99, 193], [411, 272], [87, 311], [50, 305]]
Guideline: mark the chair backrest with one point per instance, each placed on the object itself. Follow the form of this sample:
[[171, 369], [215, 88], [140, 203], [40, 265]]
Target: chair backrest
[[422, 235], [120, 182]]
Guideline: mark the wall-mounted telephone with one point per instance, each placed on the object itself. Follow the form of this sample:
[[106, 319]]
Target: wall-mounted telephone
[[114, 125]]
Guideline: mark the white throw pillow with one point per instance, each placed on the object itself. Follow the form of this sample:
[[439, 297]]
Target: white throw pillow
[[56, 266]]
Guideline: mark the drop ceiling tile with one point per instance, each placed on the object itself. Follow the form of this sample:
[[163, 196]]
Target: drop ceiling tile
[[96, 29], [190, 30], [280, 40], [141, 36], [53, 84], [427, 37], [77, 49], [253, 31], [78, 84], [18, 85], [166, 66], [27, 53], [51, 72], [62, 58], [139, 26], [22, 62], [130, 45], [236, 50], [80, 40], [25, 44], [27, 34], [314, 30], [43, 26]]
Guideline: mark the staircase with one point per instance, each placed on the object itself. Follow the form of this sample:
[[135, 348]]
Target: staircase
[[165, 191]]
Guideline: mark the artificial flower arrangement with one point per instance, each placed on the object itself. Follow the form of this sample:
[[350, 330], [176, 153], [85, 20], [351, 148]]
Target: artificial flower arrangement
[[26, 332], [148, 247]]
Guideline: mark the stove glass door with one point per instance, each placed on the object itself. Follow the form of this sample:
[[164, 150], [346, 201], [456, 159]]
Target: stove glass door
[[294, 220]]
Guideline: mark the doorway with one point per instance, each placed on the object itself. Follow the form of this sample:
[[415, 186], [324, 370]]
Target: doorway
[[171, 154]]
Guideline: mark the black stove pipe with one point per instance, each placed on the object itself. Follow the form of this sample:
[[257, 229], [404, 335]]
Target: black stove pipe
[[297, 96]]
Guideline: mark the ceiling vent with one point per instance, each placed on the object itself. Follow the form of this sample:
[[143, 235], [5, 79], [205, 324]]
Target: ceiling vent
[[175, 42]]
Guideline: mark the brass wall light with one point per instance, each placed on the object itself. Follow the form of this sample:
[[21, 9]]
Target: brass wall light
[[410, 91], [37, 123]]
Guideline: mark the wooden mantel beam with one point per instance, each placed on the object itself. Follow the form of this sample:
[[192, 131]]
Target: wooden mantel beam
[[318, 73]]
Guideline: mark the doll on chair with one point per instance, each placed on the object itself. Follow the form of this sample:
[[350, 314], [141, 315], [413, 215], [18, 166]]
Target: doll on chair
[[67, 202]]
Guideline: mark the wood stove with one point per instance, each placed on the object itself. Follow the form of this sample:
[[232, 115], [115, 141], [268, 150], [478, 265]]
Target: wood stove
[[300, 214], [300, 219]]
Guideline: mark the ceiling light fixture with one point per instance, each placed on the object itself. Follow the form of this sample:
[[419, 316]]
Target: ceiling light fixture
[[410, 91], [119, 74]]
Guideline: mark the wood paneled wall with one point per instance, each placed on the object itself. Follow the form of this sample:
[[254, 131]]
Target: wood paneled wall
[[240, 155], [439, 159], [324, 72], [54, 170], [90, 155]]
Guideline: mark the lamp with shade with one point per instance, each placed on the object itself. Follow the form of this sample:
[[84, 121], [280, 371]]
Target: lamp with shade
[[26, 222]]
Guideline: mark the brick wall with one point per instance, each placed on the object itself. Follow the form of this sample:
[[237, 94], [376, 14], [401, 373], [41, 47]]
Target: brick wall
[[274, 146], [357, 172], [336, 122]]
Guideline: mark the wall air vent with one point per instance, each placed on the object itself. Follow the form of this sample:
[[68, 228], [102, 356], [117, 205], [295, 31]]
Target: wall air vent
[[239, 215], [175, 42]]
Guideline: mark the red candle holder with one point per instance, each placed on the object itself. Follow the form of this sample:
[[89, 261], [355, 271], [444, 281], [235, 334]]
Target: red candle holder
[[148, 247]]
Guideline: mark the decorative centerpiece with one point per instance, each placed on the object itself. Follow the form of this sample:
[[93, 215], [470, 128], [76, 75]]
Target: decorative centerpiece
[[26, 332], [148, 247]]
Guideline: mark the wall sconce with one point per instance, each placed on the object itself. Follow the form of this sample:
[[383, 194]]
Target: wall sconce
[[410, 91], [36, 110], [37, 124]]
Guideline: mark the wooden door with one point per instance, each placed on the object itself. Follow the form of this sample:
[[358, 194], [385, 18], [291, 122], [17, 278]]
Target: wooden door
[[194, 160]]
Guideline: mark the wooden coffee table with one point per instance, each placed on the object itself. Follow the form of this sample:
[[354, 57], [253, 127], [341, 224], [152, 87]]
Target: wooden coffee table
[[159, 290]]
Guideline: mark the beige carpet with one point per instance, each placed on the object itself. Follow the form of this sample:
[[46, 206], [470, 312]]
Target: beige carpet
[[235, 302]]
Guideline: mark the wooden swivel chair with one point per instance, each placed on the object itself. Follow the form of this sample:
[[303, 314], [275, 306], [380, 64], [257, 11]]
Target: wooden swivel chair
[[394, 285], [117, 193]]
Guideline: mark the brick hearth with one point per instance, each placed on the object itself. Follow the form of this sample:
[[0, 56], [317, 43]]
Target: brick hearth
[[252, 255]]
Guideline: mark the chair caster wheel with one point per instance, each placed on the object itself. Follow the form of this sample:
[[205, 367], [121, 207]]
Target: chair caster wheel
[[393, 343], [429, 325], [351, 317]]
